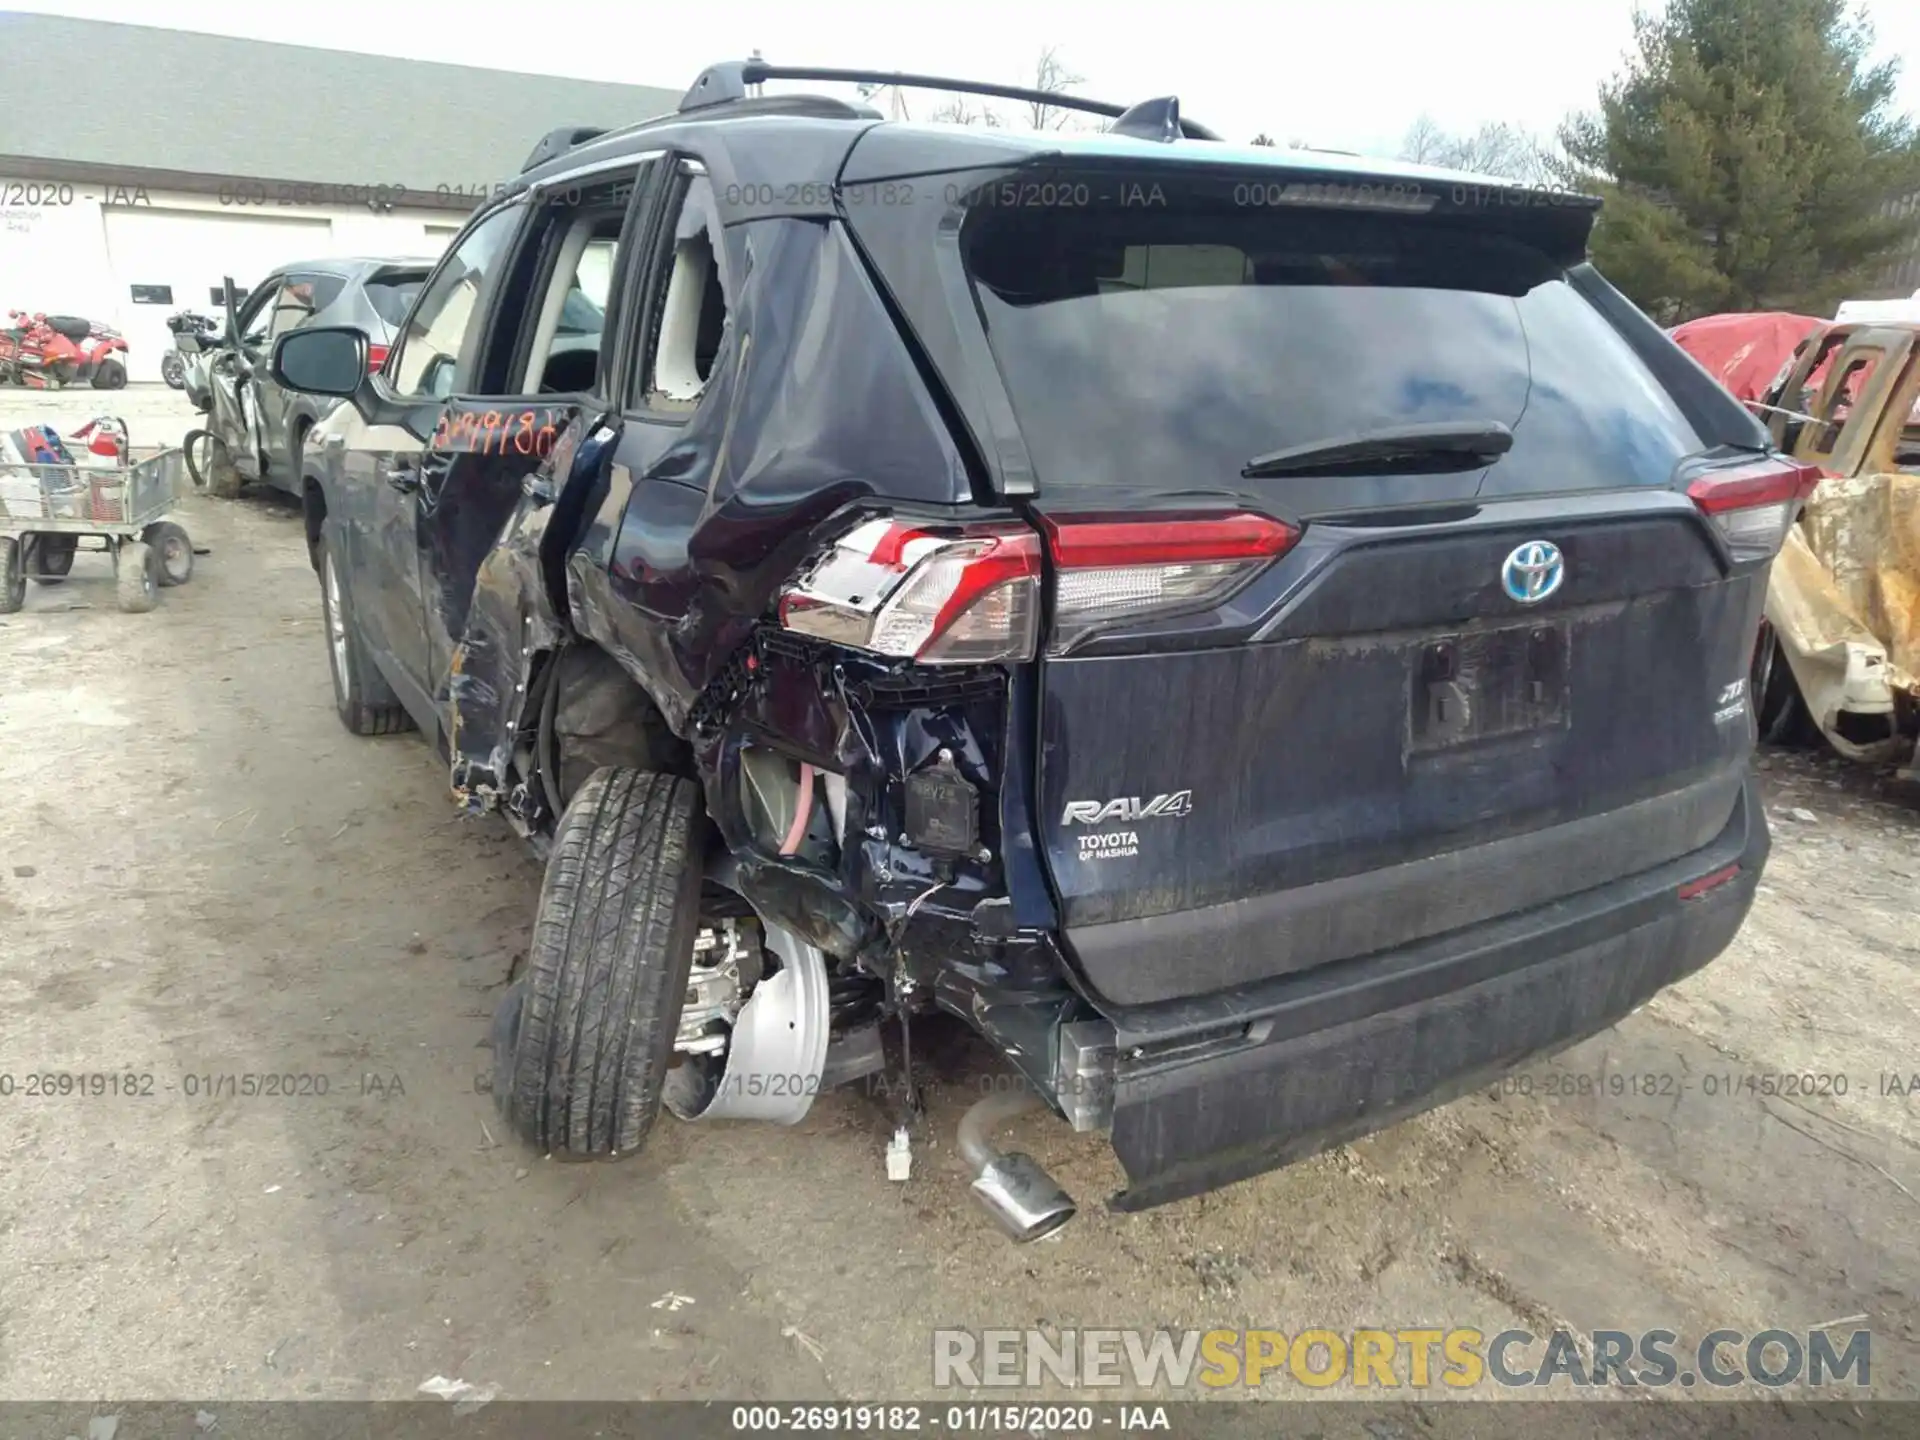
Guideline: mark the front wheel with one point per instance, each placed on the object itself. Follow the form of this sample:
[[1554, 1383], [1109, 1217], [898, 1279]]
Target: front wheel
[[136, 581], [588, 1034], [1780, 714], [110, 375], [219, 475], [173, 370]]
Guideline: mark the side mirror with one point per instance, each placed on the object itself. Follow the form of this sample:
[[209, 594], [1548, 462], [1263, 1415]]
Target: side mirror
[[330, 360]]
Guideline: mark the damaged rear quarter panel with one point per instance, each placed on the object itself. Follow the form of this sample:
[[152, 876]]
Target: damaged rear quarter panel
[[812, 406]]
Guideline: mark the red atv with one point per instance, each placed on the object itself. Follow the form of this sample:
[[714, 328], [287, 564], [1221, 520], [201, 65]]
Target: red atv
[[45, 352]]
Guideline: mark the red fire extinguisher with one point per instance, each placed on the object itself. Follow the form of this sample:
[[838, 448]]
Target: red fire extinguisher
[[107, 452]]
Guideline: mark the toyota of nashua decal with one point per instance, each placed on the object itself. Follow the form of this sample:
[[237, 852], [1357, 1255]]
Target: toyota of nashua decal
[[1128, 810]]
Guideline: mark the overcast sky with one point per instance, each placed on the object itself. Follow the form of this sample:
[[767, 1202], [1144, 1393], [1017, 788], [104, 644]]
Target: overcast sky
[[1342, 74]]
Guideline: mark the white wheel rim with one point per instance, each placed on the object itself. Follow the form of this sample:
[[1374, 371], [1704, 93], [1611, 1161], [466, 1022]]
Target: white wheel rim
[[336, 625]]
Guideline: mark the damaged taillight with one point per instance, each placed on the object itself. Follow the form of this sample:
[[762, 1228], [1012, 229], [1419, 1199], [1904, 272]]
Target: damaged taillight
[[972, 596], [1753, 506], [1115, 569], [969, 597]]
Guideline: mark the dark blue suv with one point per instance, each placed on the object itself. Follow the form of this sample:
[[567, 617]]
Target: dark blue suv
[[1261, 636]]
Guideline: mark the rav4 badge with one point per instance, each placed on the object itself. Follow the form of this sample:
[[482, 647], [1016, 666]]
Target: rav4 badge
[[1128, 808]]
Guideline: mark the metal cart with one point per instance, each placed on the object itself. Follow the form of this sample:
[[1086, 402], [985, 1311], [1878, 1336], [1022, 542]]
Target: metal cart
[[47, 510]]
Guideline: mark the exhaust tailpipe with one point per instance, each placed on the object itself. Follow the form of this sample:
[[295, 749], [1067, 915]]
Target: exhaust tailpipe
[[1026, 1201]]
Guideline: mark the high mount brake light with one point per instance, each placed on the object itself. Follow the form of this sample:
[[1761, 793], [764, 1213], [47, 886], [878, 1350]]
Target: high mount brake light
[[1113, 569], [971, 596], [1753, 506]]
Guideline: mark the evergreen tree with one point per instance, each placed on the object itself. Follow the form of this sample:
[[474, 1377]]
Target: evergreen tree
[[1746, 154]]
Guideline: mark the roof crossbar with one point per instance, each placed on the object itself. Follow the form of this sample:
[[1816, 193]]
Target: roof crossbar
[[733, 80]]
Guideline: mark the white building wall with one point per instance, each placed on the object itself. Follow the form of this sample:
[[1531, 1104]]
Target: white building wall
[[81, 248]]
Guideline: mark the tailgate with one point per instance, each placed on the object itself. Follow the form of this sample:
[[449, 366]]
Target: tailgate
[[1297, 711], [1387, 746]]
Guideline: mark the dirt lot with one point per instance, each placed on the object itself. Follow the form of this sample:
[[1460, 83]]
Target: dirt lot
[[203, 875]]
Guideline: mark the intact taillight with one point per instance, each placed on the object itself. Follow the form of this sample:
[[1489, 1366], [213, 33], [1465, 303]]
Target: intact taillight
[[1753, 506], [1112, 570], [970, 597], [376, 357]]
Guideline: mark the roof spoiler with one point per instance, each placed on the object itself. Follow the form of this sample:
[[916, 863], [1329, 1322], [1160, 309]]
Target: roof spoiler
[[734, 80], [558, 142]]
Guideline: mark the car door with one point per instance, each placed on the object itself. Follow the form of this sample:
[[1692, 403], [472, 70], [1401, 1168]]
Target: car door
[[235, 372], [385, 467], [543, 367], [657, 490], [301, 296]]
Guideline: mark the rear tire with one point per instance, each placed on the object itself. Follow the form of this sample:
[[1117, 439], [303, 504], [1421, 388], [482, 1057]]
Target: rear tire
[[48, 559], [136, 577], [173, 550], [13, 576], [173, 370], [591, 1027], [364, 701], [110, 375]]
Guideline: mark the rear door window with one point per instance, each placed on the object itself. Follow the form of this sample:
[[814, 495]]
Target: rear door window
[[391, 298], [1161, 349], [300, 299]]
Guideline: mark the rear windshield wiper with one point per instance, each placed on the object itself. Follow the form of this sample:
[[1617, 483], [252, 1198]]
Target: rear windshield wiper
[[1393, 449]]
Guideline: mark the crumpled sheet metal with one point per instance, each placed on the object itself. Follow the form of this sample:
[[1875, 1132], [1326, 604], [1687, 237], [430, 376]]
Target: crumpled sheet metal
[[1845, 600]]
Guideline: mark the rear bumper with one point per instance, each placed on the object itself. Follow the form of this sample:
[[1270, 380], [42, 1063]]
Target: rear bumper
[[1219, 1088]]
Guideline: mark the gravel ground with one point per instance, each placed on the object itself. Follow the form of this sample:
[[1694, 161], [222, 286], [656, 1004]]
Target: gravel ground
[[202, 874]]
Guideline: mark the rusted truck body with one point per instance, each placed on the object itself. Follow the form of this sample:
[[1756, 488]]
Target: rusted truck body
[[1843, 603]]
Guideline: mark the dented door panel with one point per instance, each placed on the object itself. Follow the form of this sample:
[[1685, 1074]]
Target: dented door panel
[[518, 619]]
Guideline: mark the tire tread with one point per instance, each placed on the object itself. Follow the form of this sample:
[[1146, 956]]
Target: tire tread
[[607, 966]]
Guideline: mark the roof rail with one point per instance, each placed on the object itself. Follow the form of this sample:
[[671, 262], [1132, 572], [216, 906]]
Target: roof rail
[[557, 142], [733, 80]]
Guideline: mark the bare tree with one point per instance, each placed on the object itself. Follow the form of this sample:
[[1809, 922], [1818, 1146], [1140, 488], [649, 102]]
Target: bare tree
[[962, 110], [1050, 74], [896, 98], [1497, 148], [1425, 143]]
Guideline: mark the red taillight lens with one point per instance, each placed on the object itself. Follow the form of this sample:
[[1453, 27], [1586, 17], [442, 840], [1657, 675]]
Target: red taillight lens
[[1753, 506], [970, 597], [1113, 570], [376, 357]]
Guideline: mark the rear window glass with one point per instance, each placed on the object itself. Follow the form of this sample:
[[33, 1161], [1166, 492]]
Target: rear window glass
[[317, 292], [1159, 349], [391, 299]]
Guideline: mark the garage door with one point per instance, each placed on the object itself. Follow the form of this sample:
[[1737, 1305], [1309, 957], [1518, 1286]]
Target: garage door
[[187, 252]]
